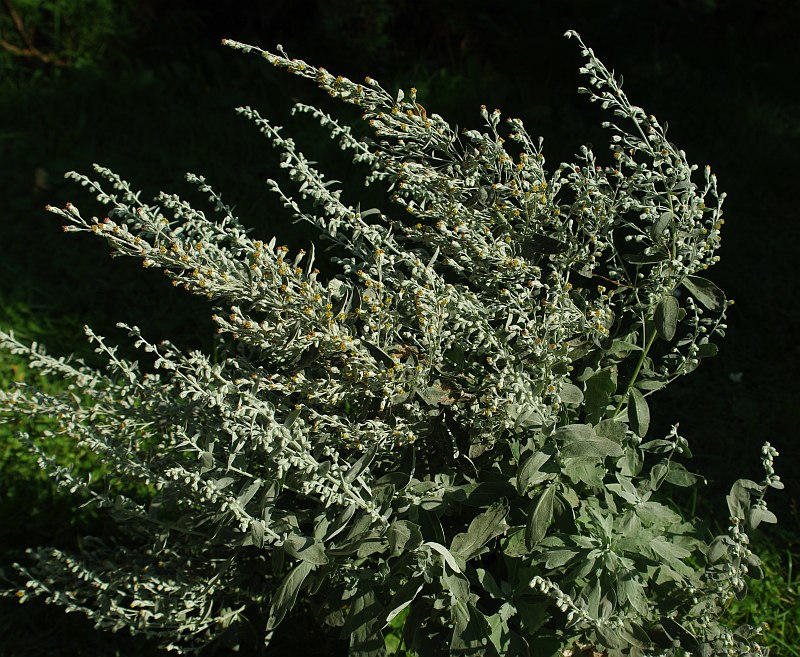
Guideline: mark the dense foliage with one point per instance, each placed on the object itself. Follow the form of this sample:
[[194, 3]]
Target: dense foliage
[[457, 423]]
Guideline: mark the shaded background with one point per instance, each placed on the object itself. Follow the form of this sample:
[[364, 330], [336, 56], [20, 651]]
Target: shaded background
[[144, 88]]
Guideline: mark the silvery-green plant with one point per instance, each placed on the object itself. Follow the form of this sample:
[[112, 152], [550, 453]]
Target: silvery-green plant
[[454, 426]]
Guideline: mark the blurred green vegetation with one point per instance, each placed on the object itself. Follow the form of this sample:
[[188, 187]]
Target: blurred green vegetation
[[775, 599], [145, 88], [55, 33]]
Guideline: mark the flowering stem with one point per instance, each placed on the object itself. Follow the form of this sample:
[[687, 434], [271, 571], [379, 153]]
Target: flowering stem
[[636, 370]]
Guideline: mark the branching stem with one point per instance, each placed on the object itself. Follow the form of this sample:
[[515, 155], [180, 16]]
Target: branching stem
[[637, 369]]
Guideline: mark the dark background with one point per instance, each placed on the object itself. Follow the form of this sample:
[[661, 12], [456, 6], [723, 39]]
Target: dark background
[[146, 89]]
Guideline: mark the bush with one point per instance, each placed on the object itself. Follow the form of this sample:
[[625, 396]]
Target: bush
[[454, 425]]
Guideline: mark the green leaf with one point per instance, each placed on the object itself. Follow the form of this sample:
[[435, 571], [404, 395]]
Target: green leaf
[[341, 521], [738, 500], [635, 634], [611, 639], [513, 543], [257, 533], [382, 497], [653, 513], [650, 384], [580, 440], [630, 588], [286, 595], [364, 608], [482, 529], [370, 545], [599, 389], [306, 548], [524, 416], [680, 476], [660, 225], [530, 473], [448, 557], [675, 630], [705, 292], [470, 628], [757, 515], [291, 418], [322, 524], [670, 552], [363, 624], [558, 558], [666, 317], [430, 525], [583, 567], [638, 412], [630, 527], [489, 584], [377, 353], [456, 585], [658, 446], [247, 493], [622, 347], [707, 350], [612, 429], [630, 465], [541, 643], [540, 517], [719, 548], [206, 462], [592, 594], [223, 482], [602, 516], [405, 596], [403, 535], [572, 432], [480, 495], [626, 490], [597, 448], [658, 474], [361, 464], [498, 630], [570, 394], [754, 570], [586, 469]]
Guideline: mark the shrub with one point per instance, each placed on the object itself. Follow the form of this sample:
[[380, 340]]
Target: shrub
[[453, 425]]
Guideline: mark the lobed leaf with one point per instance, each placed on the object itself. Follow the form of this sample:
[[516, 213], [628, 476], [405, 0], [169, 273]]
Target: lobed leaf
[[483, 528]]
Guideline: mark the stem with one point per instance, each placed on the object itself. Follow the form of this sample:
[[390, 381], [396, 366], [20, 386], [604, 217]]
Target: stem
[[636, 370]]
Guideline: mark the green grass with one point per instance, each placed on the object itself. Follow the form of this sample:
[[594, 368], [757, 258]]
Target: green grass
[[774, 601]]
